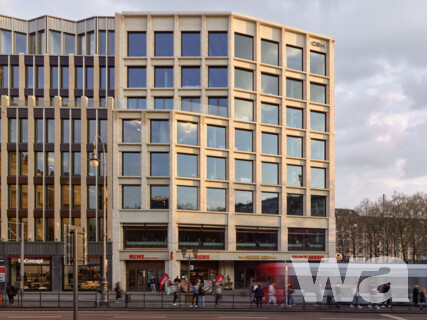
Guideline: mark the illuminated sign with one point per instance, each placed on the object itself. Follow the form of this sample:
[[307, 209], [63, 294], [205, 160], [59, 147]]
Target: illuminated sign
[[31, 261]]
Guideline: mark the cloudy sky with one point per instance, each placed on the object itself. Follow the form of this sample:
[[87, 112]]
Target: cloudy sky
[[380, 77]]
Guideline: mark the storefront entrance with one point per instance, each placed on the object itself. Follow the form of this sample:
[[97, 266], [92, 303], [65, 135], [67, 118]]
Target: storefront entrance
[[203, 270], [37, 271], [139, 273], [246, 272]]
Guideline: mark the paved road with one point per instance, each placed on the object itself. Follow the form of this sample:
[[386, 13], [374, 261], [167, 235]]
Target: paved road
[[114, 315]]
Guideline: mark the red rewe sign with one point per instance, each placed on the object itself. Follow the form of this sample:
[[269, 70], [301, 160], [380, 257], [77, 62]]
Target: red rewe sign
[[203, 257], [309, 257], [163, 280], [219, 278], [136, 256]]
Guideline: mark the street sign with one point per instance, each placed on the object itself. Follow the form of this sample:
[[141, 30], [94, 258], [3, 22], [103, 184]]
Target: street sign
[[191, 267], [2, 274], [70, 233]]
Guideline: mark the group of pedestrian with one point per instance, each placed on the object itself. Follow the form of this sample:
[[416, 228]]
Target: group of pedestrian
[[198, 291], [419, 297]]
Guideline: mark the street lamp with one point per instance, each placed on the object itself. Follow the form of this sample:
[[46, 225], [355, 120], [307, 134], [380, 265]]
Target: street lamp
[[94, 162], [184, 253]]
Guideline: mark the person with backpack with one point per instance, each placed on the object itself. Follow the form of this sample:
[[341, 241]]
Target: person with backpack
[[259, 295]]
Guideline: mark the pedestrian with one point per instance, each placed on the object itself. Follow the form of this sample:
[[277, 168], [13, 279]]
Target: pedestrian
[[415, 295], [259, 295], [153, 284], [175, 289], [195, 291], [201, 294], [337, 294], [118, 291], [254, 286], [386, 288], [422, 298], [272, 294], [218, 292], [291, 295], [356, 299], [11, 292]]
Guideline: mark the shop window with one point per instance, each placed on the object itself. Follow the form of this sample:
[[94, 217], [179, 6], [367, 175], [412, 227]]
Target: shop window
[[253, 239], [38, 273], [145, 237], [201, 237], [89, 275], [304, 239]]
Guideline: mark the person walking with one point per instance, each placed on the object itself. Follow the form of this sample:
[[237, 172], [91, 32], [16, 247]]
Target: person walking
[[356, 299], [415, 295], [422, 297], [153, 284], [11, 293], [254, 286], [338, 294], [175, 289], [259, 295], [218, 292], [195, 291], [201, 294], [118, 292], [272, 294], [386, 288], [291, 301]]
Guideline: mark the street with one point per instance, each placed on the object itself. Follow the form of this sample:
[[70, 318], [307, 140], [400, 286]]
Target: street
[[95, 315]]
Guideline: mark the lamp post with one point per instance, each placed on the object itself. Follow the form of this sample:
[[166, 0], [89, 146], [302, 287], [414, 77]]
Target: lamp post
[[184, 253], [94, 162]]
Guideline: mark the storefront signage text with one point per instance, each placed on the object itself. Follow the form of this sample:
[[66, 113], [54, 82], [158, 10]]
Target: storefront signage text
[[318, 44], [31, 261], [257, 257], [308, 257], [142, 257], [203, 257], [2, 274]]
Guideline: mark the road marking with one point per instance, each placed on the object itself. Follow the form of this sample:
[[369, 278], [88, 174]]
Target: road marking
[[393, 317]]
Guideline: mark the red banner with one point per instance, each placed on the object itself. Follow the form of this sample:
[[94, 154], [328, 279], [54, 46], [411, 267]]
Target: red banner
[[163, 280], [219, 278]]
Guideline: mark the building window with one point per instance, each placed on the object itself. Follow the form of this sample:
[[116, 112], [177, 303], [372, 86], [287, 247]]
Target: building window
[[269, 84], [41, 271], [187, 198], [111, 78], [243, 46], [243, 110], [81, 44], [54, 77], [20, 43], [12, 196], [218, 106], [65, 163], [187, 133], [39, 131], [29, 77], [159, 164], [190, 77], [190, 44], [65, 196], [102, 42], [79, 78], [111, 42], [218, 44], [269, 113], [88, 274], [269, 52], [23, 163], [12, 164], [252, 239], [270, 143], [317, 121], [218, 77], [131, 164], [131, 197], [65, 131], [32, 43], [318, 63], [190, 104], [318, 206], [50, 164], [4, 77], [137, 77], [64, 77], [294, 176], [215, 168], [76, 130], [159, 197], [215, 137], [6, 41], [294, 89], [270, 202], [90, 46], [243, 140], [294, 147], [137, 103], [39, 77], [163, 103], [243, 171], [205, 237], [89, 78], [163, 77], [303, 239], [317, 93], [243, 201], [102, 78], [13, 132], [187, 165], [294, 118], [137, 44], [163, 42], [215, 199], [318, 178], [293, 58], [318, 149], [69, 43], [244, 79], [77, 164], [159, 132], [145, 237], [55, 42], [295, 204], [15, 77], [23, 130], [270, 173], [39, 163], [131, 131]]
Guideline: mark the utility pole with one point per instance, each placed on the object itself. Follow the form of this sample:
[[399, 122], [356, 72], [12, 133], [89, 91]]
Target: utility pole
[[21, 265], [75, 278], [383, 225]]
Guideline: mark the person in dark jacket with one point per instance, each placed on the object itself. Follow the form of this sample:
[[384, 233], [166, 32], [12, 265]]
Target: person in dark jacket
[[422, 298], [11, 292], [118, 291], [386, 288], [259, 295], [175, 289], [415, 295]]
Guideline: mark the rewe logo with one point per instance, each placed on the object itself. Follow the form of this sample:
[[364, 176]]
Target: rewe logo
[[376, 271]]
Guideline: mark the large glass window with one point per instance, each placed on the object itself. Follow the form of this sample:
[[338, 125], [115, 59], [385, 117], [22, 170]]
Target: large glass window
[[206, 237], [218, 77], [215, 199], [54, 77], [318, 206], [244, 79], [270, 143], [270, 202], [294, 118], [131, 131], [243, 170], [294, 89], [23, 163], [137, 103], [295, 204], [159, 164], [6, 41], [294, 147], [38, 276], [318, 178], [77, 165], [215, 137], [15, 77], [76, 130], [55, 42], [32, 43], [190, 77], [243, 46], [317, 93], [69, 43], [137, 77], [39, 77], [270, 173], [4, 76], [102, 78], [81, 44], [39, 131], [39, 198], [269, 52], [79, 78], [163, 42], [90, 43], [218, 106], [50, 164], [12, 164], [29, 73], [163, 103], [111, 42], [89, 78], [218, 44], [243, 110], [65, 163], [294, 176], [318, 149], [303, 239], [269, 113], [191, 104], [252, 239], [269, 84], [65, 131], [159, 131], [102, 42], [187, 165], [187, 198], [293, 58], [64, 77], [317, 121], [243, 140], [318, 63], [190, 44], [145, 237], [131, 164], [243, 201], [187, 133], [137, 44], [111, 78], [13, 132], [159, 197], [163, 77], [23, 130], [215, 168], [131, 197]]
